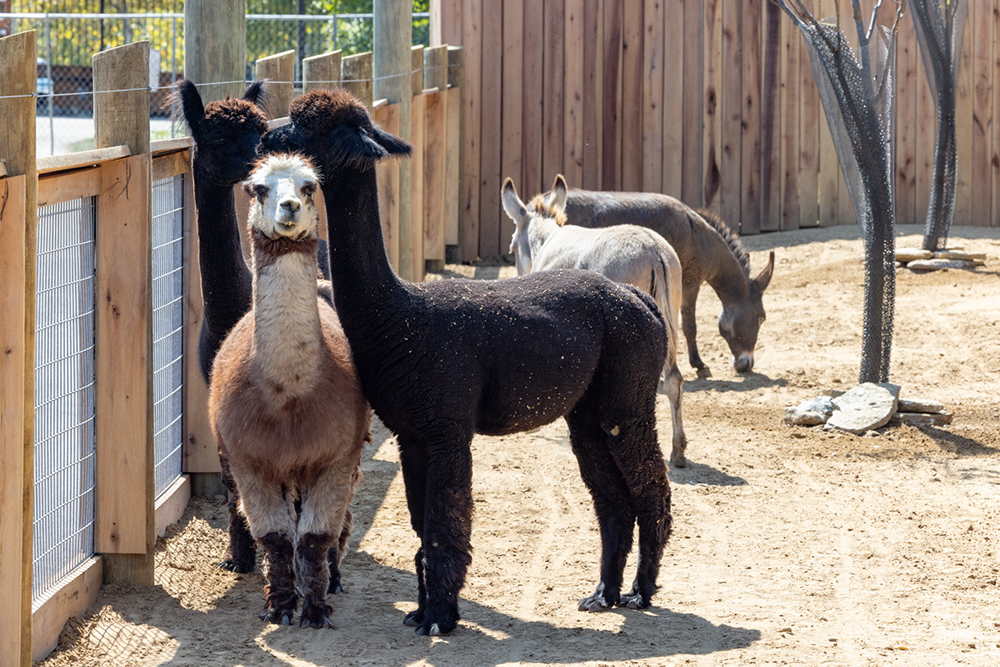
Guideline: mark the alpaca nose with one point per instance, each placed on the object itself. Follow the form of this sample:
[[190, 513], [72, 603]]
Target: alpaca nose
[[291, 205]]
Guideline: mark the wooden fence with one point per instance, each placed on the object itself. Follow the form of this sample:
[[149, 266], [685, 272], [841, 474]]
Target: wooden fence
[[117, 177], [712, 101]]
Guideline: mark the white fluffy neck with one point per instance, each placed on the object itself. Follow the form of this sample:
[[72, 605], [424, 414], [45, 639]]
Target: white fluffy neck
[[287, 335]]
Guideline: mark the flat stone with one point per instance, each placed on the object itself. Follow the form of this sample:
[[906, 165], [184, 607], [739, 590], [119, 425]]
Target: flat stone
[[921, 419], [910, 254], [957, 254], [865, 407], [810, 412], [919, 405], [939, 264]]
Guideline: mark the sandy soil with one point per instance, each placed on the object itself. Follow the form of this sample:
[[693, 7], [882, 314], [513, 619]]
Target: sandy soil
[[791, 545]]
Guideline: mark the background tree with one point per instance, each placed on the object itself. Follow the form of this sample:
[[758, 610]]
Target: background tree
[[940, 26], [856, 93]]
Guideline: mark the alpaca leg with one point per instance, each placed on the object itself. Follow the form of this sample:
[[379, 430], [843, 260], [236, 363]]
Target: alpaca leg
[[691, 329], [337, 552], [271, 517], [447, 531], [241, 554], [321, 523], [611, 504], [413, 460], [675, 385]]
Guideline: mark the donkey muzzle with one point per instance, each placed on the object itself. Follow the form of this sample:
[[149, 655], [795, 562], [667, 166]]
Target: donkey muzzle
[[743, 363]]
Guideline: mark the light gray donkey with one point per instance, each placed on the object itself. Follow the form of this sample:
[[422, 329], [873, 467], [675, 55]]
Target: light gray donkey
[[624, 253]]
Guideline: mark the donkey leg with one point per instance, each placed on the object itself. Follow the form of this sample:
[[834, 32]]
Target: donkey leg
[[675, 387], [447, 531], [611, 503], [413, 460], [241, 553], [690, 328]]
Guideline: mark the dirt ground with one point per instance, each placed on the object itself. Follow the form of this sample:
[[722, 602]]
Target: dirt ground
[[791, 545]]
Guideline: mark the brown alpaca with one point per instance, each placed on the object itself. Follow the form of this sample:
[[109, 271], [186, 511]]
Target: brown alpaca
[[286, 404]]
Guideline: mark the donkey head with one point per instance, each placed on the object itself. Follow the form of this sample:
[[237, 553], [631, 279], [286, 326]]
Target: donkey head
[[335, 129], [226, 133], [283, 187], [739, 321]]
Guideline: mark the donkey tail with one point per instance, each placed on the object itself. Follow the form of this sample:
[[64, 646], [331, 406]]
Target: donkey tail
[[666, 290]]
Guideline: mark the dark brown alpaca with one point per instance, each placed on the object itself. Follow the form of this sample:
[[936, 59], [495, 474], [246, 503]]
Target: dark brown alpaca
[[286, 403], [442, 361]]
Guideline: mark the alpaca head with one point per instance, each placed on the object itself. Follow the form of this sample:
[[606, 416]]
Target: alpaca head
[[282, 187], [334, 128], [226, 133]]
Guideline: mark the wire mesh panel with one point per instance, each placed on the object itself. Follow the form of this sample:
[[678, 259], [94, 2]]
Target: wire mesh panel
[[65, 429], [168, 328]]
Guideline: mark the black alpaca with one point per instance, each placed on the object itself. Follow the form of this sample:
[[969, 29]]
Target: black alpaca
[[442, 361], [226, 137]]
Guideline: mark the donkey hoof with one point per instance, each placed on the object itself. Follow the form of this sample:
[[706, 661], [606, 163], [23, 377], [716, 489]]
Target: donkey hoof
[[704, 372], [678, 461], [414, 618]]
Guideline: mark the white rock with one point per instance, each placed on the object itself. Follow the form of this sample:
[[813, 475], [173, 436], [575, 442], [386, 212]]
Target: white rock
[[810, 412], [938, 264], [863, 408], [919, 405], [956, 254], [910, 254]]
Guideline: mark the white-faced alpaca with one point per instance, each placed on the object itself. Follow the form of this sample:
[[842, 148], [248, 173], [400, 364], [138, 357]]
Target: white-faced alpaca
[[286, 404], [629, 254]]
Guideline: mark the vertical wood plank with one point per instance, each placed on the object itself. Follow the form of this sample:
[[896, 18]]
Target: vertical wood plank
[[573, 93], [449, 21], [356, 71], [995, 155], [593, 58], [453, 164], [730, 192], [925, 137], [907, 72], [811, 116], [471, 105], [531, 101], [611, 101], [964, 124], [654, 116], [435, 148], [417, 107], [711, 180], [790, 125], [771, 107], [980, 32], [18, 230], [321, 72], [632, 103], [673, 96], [387, 176], [125, 526], [553, 90], [750, 179], [829, 174], [491, 131], [692, 90], [279, 70], [513, 88]]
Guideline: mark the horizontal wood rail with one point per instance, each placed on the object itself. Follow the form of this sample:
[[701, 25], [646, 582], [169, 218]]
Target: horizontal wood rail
[[69, 161]]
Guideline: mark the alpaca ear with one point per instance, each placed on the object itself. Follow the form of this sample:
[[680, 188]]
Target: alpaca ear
[[255, 93], [392, 144], [557, 199], [192, 106], [763, 278], [512, 204]]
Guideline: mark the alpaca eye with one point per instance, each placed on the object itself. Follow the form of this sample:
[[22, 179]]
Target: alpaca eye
[[309, 189], [261, 191]]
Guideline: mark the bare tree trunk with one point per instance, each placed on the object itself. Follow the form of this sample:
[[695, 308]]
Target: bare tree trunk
[[941, 209]]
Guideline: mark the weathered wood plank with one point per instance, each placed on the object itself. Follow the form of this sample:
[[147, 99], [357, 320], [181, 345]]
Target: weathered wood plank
[[68, 161], [531, 98], [279, 70], [387, 115], [711, 148], [907, 72], [417, 124], [730, 193], [611, 100], [632, 84], [810, 119], [435, 149], [995, 153], [453, 157], [692, 91], [73, 598], [68, 185], [965, 122], [573, 92], [980, 33], [356, 73], [511, 97], [162, 146], [491, 128], [553, 91], [926, 125], [829, 174], [660, 117], [791, 83], [771, 107], [321, 72], [471, 117], [171, 164]]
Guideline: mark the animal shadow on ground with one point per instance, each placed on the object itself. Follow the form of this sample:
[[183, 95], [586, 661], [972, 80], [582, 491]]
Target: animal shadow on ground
[[957, 444], [750, 381], [700, 474]]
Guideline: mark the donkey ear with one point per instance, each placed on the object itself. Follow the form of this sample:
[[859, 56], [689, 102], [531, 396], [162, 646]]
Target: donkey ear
[[255, 93], [763, 278], [191, 105], [557, 198], [512, 204], [392, 144]]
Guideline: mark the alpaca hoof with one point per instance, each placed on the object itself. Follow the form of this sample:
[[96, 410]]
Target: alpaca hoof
[[231, 565], [278, 616], [595, 602], [436, 629], [704, 372], [316, 614], [414, 618], [633, 601], [336, 587], [319, 623]]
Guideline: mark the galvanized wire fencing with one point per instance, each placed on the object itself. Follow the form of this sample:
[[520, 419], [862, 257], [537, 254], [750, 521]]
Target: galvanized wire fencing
[[65, 410]]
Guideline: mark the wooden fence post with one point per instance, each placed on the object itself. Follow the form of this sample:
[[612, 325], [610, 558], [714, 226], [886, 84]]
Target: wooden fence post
[[417, 161], [387, 115], [279, 69], [435, 149], [453, 159], [125, 515], [18, 228], [321, 72], [215, 47], [356, 71]]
